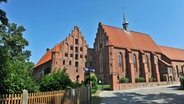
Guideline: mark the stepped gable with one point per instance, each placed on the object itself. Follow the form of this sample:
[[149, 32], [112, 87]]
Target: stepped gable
[[129, 39], [173, 53]]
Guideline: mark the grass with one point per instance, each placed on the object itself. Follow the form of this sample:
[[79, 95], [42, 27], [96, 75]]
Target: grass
[[95, 98], [103, 87]]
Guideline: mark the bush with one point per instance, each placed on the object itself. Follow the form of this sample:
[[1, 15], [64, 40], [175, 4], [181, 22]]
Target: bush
[[182, 79], [182, 82], [93, 81], [152, 79], [140, 79], [124, 80], [75, 85], [56, 81]]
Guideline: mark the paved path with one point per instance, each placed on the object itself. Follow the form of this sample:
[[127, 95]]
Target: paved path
[[152, 95]]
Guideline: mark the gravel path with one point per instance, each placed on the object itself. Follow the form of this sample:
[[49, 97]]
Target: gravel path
[[151, 95]]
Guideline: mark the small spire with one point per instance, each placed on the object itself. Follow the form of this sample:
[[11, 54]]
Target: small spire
[[125, 23]]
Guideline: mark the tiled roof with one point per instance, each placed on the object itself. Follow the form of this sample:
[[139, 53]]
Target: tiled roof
[[48, 56], [130, 39], [173, 53]]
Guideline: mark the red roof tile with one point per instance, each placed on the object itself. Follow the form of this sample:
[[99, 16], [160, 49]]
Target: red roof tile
[[48, 56], [133, 40], [173, 53]]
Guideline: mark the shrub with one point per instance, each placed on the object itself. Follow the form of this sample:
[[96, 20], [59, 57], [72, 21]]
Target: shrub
[[75, 85], [56, 81], [182, 79], [93, 81], [140, 79], [152, 79], [124, 80]]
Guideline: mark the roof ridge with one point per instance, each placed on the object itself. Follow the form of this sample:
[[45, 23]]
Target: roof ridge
[[140, 33], [171, 47]]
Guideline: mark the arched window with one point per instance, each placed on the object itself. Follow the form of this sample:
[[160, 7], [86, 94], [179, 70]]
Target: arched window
[[120, 61], [181, 72], [135, 62], [101, 62], [147, 63], [177, 71]]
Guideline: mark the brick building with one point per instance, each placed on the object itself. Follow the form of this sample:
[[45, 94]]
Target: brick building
[[118, 52], [70, 53]]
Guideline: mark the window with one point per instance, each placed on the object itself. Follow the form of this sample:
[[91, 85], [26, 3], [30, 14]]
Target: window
[[71, 47], [76, 41], [47, 71], [66, 54], [135, 62], [81, 49], [177, 70], [77, 70], [76, 64], [71, 55], [101, 62], [86, 56], [70, 62], [120, 62], [81, 56], [63, 62], [147, 63], [120, 59], [76, 49], [76, 56]]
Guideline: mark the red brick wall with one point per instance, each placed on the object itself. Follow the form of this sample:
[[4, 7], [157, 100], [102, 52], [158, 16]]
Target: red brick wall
[[140, 85], [62, 59], [79, 53], [39, 71]]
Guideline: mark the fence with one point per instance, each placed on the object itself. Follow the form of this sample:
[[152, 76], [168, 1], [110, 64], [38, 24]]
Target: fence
[[68, 96]]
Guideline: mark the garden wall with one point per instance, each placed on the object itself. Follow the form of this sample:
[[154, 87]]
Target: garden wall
[[125, 86]]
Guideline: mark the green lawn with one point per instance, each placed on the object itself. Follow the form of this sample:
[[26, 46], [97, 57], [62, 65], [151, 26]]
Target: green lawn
[[95, 98], [103, 87]]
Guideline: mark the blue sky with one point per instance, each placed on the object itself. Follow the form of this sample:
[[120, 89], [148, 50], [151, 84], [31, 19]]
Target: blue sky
[[49, 22]]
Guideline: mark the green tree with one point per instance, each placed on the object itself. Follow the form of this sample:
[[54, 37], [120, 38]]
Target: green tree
[[15, 68], [56, 81], [93, 81], [3, 17]]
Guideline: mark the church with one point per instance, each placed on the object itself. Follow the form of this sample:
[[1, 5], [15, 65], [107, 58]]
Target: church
[[117, 51]]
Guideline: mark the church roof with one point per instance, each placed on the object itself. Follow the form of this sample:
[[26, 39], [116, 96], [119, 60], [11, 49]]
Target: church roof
[[173, 53], [129, 39], [48, 55]]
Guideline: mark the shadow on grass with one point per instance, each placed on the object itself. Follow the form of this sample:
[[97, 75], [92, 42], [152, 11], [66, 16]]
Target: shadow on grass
[[96, 100]]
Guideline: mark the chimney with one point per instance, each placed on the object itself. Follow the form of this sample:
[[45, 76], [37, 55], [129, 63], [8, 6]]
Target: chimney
[[47, 49]]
